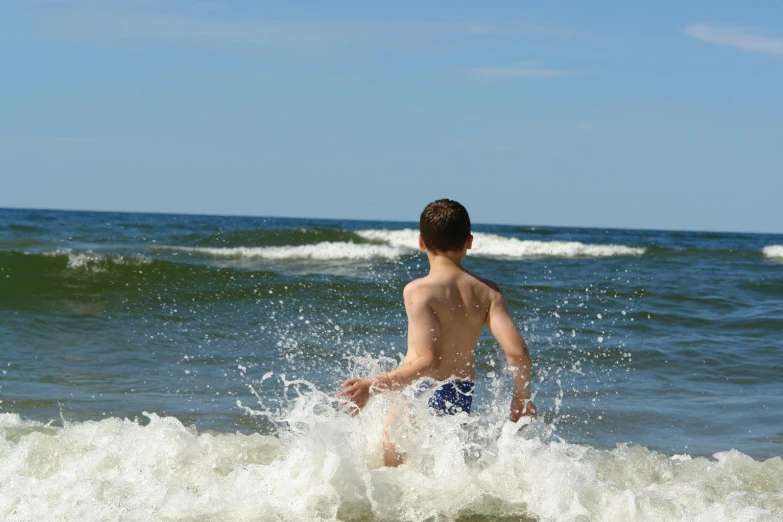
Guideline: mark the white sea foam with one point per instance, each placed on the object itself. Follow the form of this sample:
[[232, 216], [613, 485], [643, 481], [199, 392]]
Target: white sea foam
[[773, 252], [325, 251], [392, 244], [94, 261], [493, 245], [327, 466]]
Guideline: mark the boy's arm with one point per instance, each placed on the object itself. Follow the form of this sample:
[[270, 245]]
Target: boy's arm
[[517, 355], [423, 342]]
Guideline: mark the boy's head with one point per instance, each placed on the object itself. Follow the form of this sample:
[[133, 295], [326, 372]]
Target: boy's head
[[445, 226]]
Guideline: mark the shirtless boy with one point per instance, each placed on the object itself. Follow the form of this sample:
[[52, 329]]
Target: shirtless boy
[[447, 309]]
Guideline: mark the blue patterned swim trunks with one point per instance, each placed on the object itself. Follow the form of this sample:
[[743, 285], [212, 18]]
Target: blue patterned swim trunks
[[450, 397]]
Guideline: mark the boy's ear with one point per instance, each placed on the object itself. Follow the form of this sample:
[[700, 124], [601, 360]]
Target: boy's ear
[[469, 242], [421, 243]]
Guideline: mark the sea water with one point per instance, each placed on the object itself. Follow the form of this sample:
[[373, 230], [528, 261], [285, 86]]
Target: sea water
[[162, 367]]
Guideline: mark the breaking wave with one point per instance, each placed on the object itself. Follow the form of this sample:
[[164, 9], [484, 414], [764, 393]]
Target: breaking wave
[[492, 245], [393, 244], [773, 252], [325, 251], [324, 465], [94, 261]]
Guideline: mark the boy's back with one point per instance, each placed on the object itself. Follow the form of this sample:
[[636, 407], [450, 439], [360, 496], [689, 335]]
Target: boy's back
[[448, 309]]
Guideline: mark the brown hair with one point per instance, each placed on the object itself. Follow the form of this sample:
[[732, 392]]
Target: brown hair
[[444, 225]]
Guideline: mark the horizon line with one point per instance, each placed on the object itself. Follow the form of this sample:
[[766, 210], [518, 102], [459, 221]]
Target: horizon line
[[200, 214]]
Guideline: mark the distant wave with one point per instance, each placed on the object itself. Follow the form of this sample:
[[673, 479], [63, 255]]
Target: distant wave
[[773, 252], [326, 251], [492, 245], [93, 261], [392, 244]]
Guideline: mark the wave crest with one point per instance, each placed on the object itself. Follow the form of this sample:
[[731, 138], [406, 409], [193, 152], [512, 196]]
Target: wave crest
[[773, 252], [91, 261], [326, 251], [493, 245], [393, 244]]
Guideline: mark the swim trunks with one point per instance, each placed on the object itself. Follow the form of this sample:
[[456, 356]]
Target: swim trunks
[[450, 397]]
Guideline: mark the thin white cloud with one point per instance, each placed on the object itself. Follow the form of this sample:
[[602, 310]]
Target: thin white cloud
[[736, 37], [517, 71]]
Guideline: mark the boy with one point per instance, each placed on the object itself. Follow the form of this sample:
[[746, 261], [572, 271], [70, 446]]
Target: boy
[[447, 309]]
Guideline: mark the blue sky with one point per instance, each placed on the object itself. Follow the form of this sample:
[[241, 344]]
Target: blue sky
[[612, 114]]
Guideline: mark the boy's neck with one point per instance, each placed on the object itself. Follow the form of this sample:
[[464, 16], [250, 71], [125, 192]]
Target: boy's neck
[[440, 261]]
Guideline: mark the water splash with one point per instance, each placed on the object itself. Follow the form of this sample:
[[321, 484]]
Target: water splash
[[325, 465]]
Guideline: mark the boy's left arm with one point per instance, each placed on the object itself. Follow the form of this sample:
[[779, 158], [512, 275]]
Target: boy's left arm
[[423, 341]]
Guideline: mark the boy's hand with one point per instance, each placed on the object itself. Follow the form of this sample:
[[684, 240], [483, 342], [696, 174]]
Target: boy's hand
[[356, 391], [522, 408]]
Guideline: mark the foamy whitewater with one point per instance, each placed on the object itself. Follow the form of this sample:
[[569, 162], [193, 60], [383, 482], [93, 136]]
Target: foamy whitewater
[[391, 244], [773, 252], [183, 368], [493, 245], [320, 251], [325, 465], [95, 261]]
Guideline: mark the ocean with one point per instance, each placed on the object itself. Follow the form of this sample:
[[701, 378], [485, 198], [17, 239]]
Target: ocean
[[181, 367]]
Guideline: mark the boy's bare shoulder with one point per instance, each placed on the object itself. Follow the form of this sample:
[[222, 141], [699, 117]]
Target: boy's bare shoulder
[[427, 288], [491, 285], [416, 288]]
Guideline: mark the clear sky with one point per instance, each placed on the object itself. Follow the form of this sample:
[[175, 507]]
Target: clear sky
[[663, 114]]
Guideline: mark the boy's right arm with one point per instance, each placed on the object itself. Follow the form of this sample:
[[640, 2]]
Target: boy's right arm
[[517, 355], [423, 343]]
